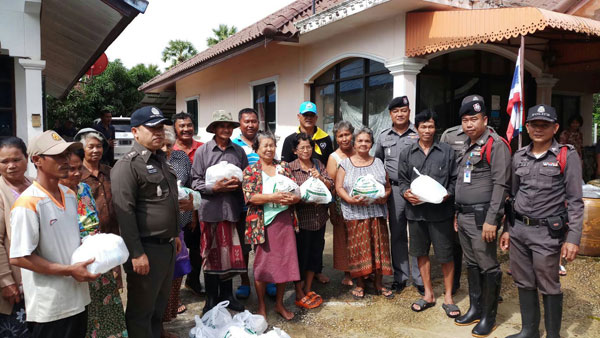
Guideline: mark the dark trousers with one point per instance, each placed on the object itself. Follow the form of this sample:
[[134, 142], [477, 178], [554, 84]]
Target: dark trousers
[[192, 241], [458, 257], [147, 295], [310, 245], [534, 258], [478, 253], [70, 327], [405, 266]]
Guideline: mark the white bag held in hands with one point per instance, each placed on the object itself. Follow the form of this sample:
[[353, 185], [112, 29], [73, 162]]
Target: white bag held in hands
[[183, 193], [427, 189], [368, 187], [220, 171], [254, 323], [109, 251], [285, 184], [315, 191]]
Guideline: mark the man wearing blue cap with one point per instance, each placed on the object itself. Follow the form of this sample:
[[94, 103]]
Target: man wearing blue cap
[[307, 116], [144, 189]]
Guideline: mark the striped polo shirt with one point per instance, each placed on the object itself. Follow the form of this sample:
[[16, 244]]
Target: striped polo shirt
[[46, 227]]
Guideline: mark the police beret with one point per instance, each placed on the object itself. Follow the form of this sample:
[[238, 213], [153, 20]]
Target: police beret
[[472, 108], [398, 102]]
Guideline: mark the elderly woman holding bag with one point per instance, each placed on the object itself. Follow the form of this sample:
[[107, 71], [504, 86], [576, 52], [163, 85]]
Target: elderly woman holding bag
[[13, 165], [270, 224], [310, 241], [368, 239]]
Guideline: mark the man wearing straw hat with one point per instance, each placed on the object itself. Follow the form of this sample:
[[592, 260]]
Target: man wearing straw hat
[[221, 207]]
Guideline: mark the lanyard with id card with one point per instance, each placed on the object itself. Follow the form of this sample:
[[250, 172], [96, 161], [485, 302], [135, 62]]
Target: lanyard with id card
[[468, 170]]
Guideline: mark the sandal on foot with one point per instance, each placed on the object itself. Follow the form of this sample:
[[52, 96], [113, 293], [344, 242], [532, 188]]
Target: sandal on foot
[[449, 308], [306, 302], [422, 304], [271, 289], [243, 292], [387, 293], [315, 298], [181, 309], [358, 293]]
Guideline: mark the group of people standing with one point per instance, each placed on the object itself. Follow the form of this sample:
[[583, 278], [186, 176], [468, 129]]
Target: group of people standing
[[536, 195]]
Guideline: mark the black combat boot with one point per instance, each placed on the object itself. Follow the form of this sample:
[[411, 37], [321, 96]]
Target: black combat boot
[[491, 291], [211, 283], [473, 315], [553, 314], [226, 293], [530, 314]]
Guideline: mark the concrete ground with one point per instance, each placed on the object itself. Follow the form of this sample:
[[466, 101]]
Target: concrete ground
[[343, 316]]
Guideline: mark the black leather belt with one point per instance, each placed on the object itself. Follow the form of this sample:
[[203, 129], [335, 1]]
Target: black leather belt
[[468, 208], [156, 240], [531, 221], [392, 182]]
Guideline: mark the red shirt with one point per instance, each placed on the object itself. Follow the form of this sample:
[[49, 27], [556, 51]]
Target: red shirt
[[192, 152]]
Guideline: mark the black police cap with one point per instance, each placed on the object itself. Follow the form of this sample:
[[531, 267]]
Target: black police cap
[[148, 116], [542, 112], [472, 108], [398, 102]]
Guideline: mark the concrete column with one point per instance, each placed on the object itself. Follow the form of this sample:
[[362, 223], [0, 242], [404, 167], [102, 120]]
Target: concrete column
[[545, 83], [405, 72], [28, 98]]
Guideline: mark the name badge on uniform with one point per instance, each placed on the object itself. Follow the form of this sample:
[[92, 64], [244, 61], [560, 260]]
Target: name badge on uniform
[[550, 164], [151, 169], [467, 174], [158, 191]]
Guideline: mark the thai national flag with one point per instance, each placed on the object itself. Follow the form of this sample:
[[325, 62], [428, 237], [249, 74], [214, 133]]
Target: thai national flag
[[515, 103]]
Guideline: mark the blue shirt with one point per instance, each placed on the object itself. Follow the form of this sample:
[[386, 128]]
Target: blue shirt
[[252, 156]]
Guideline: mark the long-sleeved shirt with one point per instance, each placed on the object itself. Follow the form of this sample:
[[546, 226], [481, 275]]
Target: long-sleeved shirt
[[218, 206], [439, 164], [390, 144], [101, 190], [144, 195], [540, 190], [489, 181]]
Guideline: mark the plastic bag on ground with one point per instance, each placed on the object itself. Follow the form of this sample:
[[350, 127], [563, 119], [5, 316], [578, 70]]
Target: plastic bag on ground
[[315, 191], [220, 171], [368, 187], [235, 331], [275, 333], [216, 321], [254, 323], [184, 193], [196, 331], [427, 189], [109, 251]]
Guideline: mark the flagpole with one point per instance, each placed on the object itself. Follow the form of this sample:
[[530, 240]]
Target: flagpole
[[522, 70]]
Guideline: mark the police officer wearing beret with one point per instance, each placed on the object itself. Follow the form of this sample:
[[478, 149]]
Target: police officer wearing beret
[[390, 144], [546, 221], [481, 189], [145, 199]]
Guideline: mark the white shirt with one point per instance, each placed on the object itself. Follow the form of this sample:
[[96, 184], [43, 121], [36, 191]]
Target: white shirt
[[48, 228]]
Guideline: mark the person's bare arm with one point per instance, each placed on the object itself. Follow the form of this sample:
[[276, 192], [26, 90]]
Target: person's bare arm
[[332, 167], [260, 199], [40, 265], [339, 189]]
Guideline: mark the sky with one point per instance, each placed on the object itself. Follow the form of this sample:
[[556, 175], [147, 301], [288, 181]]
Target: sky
[[193, 20]]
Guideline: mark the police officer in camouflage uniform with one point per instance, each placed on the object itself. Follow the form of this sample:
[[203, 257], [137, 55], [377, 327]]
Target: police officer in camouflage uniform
[[481, 190], [456, 138], [389, 144], [546, 220], [144, 189]]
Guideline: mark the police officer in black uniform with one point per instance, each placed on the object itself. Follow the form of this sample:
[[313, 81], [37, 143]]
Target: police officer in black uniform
[[144, 189], [546, 220], [481, 190]]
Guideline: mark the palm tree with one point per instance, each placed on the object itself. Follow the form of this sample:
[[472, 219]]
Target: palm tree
[[221, 33], [178, 51]]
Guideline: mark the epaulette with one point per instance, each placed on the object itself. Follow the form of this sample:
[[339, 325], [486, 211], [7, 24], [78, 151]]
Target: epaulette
[[130, 155]]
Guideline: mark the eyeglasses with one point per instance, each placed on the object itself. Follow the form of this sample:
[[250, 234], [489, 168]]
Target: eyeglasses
[[304, 148]]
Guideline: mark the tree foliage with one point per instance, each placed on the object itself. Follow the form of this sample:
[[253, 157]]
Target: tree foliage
[[221, 33], [115, 90], [178, 51]]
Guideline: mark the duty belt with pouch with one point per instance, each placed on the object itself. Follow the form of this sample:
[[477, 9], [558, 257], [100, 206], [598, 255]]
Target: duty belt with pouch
[[478, 210], [557, 225]]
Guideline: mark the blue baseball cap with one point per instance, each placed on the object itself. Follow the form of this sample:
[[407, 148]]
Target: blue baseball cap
[[308, 107], [149, 116]]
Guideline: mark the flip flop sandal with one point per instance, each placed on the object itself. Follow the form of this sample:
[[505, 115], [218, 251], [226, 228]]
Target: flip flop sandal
[[449, 308], [358, 293], [315, 298], [181, 309], [387, 293], [243, 292], [271, 289], [306, 302], [423, 304]]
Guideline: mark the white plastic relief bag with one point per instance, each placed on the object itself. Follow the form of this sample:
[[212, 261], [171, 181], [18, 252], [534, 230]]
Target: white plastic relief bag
[[315, 191], [427, 189], [183, 193], [368, 187], [109, 251], [283, 183], [255, 324], [216, 321], [220, 171]]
